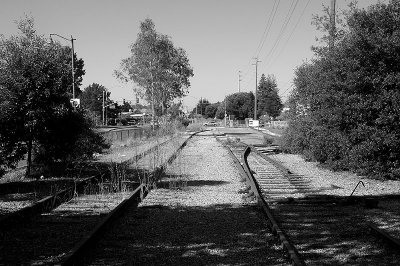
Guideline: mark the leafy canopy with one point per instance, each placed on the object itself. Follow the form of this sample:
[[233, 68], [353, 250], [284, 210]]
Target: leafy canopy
[[345, 108], [161, 70], [35, 89], [268, 100]]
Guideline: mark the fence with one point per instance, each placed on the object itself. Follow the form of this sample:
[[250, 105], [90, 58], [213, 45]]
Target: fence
[[279, 124], [122, 134]]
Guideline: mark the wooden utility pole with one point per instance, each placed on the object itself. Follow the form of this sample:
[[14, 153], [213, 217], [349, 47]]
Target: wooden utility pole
[[201, 105], [255, 94], [240, 79], [333, 25]]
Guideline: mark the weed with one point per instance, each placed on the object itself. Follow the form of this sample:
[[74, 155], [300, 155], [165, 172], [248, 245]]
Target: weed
[[268, 140]]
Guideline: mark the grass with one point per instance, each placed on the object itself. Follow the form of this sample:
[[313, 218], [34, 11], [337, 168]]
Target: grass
[[279, 131], [117, 176]]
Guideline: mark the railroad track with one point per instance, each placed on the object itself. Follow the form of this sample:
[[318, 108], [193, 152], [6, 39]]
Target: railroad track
[[50, 202], [79, 230], [316, 229]]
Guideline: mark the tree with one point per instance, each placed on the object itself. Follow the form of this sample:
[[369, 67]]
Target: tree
[[211, 110], [201, 106], [220, 113], [268, 100], [345, 105], [36, 86], [161, 70], [240, 104], [92, 99], [125, 107], [175, 110]]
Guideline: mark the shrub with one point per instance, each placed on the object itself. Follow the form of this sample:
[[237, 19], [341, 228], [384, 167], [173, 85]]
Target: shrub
[[194, 127], [268, 140], [69, 137]]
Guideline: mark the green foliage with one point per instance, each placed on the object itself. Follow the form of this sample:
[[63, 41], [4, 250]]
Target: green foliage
[[240, 104], [36, 86], [161, 70], [185, 122], [345, 108], [68, 137], [220, 113], [268, 140], [201, 107], [125, 107], [92, 100], [194, 127], [268, 100], [211, 110], [92, 97]]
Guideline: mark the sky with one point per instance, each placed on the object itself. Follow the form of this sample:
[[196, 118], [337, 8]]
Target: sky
[[221, 38]]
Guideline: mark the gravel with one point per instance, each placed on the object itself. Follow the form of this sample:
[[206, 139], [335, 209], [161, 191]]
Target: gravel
[[45, 239], [195, 217], [341, 183]]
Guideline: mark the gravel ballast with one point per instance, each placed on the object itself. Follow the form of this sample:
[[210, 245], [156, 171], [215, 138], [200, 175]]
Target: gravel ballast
[[45, 239], [195, 217]]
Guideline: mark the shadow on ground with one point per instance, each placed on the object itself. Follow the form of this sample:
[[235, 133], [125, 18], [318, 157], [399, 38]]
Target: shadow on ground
[[214, 235], [332, 230]]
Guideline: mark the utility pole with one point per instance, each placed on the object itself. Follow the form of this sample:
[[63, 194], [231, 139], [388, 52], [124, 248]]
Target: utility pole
[[72, 60], [333, 25], [255, 94], [201, 105], [240, 79], [104, 108], [225, 111], [72, 63]]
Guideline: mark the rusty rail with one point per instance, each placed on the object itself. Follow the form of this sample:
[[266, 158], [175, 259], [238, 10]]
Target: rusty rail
[[75, 256], [294, 256]]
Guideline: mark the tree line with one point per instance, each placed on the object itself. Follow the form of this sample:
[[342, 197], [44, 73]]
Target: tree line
[[241, 104], [345, 106]]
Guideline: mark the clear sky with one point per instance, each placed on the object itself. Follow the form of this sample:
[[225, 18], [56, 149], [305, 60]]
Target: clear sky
[[221, 37]]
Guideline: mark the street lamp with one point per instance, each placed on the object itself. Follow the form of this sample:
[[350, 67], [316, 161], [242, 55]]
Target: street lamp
[[72, 61]]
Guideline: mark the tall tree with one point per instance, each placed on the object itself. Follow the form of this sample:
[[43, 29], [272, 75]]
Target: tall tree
[[201, 107], [35, 85], [268, 100], [161, 70], [211, 110], [92, 99], [240, 104]]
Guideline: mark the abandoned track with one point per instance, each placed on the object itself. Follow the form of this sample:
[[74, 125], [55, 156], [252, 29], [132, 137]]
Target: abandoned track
[[325, 230], [50, 202], [314, 229], [50, 238], [203, 222]]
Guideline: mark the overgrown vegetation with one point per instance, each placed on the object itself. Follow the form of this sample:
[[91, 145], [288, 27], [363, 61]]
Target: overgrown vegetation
[[36, 88], [345, 108]]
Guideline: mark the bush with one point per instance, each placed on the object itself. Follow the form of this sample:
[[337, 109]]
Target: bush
[[185, 122], [69, 137], [194, 127], [344, 109], [268, 140]]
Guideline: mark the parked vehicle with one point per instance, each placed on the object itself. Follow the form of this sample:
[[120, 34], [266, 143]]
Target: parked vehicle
[[212, 123]]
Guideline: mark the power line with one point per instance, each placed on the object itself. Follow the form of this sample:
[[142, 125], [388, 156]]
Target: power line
[[283, 28], [268, 27], [290, 35], [265, 34]]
